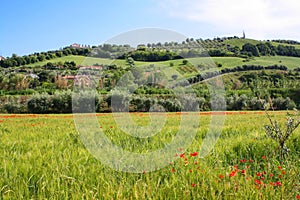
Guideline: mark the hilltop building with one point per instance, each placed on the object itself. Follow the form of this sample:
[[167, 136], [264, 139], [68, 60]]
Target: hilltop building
[[244, 35], [2, 58], [75, 45]]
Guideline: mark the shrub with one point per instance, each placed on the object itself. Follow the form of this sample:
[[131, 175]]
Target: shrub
[[39, 103], [62, 102]]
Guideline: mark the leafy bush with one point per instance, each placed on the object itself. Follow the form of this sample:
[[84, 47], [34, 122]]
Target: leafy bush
[[14, 106], [39, 103], [62, 102]]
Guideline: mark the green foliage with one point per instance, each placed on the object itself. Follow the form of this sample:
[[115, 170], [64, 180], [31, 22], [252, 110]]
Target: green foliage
[[250, 49], [281, 136], [39, 103], [13, 105], [62, 102]]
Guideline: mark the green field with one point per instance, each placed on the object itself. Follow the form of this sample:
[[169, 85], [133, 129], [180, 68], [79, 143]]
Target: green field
[[239, 42], [230, 62], [291, 62], [42, 157]]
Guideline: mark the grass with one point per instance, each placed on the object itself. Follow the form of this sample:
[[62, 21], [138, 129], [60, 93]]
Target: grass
[[239, 42], [230, 62], [80, 60], [227, 62], [297, 46], [42, 157]]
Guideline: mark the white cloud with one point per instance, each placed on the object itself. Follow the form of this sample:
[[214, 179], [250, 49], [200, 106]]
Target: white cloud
[[260, 18]]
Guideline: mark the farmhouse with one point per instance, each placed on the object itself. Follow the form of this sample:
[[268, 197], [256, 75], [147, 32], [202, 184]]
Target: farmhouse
[[75, 45], [32, 75]]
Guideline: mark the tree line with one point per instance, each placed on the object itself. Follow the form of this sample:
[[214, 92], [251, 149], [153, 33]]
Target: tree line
[[61, 102]]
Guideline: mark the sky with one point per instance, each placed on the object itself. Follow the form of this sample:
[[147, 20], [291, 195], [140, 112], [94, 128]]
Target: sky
[[34, 26]]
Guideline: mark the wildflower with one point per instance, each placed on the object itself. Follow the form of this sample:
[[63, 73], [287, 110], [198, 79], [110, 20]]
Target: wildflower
[[251, 160], [182, 155], [264, 157], [193, 184], [221, 176], [283, 172], [279, 167], [111, 127], [243, 161], [258, 174], [232, 174], [194, 153], [271, 175], [191, 170], [173, 170], [243, 172], [278, 183], [257, 182], [297, 196]]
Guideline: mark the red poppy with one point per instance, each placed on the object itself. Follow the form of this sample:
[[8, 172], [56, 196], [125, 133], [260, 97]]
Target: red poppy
[[258, 174], [173, 170], [232, 174], [243, 171], [264, 157], [297, 196], [193, 184], [271, 175], [194, 153], [221, 176], [278, 183], [283, 172], [250, 160], [257, 182], [182, 155]]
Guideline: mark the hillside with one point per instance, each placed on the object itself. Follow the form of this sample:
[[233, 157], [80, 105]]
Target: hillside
[[273, 64]]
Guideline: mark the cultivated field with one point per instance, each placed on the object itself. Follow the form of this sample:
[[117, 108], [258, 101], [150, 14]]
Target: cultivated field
[[42, 157]]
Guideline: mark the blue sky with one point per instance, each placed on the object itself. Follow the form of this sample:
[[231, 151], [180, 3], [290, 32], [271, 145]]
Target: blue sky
[[34, 26]]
